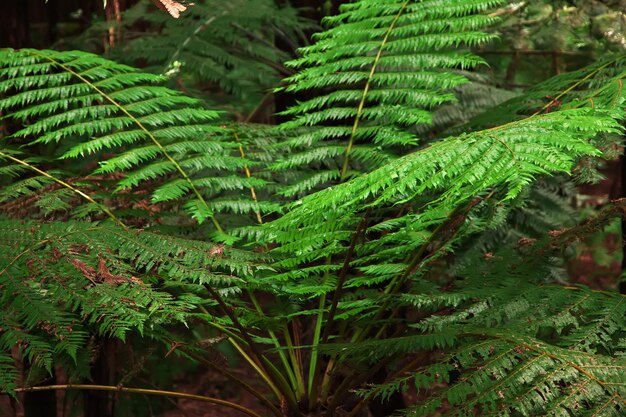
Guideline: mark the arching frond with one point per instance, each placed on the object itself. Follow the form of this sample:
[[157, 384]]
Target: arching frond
[[380, 68], [63, 281], [451, 172], [90, 107]]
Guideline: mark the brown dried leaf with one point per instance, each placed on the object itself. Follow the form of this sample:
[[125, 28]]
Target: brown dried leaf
[[216, 250], [87, 271], [173, 7], [106, 276]]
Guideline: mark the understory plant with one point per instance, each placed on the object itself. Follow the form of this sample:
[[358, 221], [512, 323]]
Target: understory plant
[[344, 256]]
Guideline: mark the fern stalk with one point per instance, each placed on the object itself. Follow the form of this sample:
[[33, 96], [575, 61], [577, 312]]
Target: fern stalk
[[261, 397], [313, 362], [248, 175], [314, 368], [258, 360], [258, 368], [102, 207], [575, 85], [293, 371], [235, 340], [359, 112], [295, 382]]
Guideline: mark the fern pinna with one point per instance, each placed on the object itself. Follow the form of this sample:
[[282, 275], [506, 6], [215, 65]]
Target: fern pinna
[[142, 183]]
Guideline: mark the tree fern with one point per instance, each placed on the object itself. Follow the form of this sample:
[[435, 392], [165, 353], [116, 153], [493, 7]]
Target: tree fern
[[387, 65], [366, 264]]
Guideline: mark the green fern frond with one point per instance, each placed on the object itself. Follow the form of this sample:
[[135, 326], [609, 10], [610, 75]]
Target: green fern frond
[[505, 158], [62, 280], [8, 372], [598, 85], [162, 139], [522, 345], [524, 358], [387, 65]]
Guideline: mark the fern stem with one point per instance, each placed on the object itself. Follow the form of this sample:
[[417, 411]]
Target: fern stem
[[233, 318], [248, 175], [154, 140], [257, 368], [258, 361], [343, 274], [328, 326], [102, 207], [296, 361], [294, 374], [144, 391], [288, 398], [226, 331], [396, 284], [326, 379], [313, 363], [398, 281], [354, 380], [359, 112], [276, 342], [573, 86], [554, 100]]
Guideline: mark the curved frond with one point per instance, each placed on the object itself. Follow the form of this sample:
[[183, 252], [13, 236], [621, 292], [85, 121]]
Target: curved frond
[[380, 70]]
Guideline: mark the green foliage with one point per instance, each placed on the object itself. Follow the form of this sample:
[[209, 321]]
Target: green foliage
[[381, 68], [165, 143], [597, 85], [525, 347], [405, 252], [63, 281]]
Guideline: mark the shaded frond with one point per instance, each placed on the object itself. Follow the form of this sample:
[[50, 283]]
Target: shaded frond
[[61, 280], [222, 47], [90, 107]]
